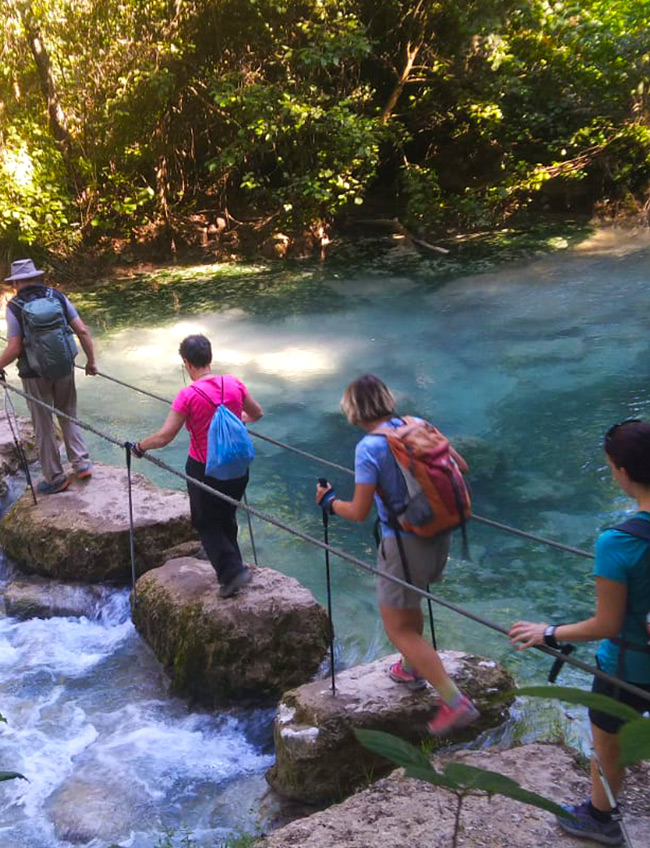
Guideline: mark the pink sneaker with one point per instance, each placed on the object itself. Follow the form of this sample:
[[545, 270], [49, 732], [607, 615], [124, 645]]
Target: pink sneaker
[[448, 719], [411, 679]]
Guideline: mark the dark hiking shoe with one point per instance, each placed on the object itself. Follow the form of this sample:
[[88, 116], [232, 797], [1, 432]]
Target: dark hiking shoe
[[585, 826], [238, 581], [53, 488]]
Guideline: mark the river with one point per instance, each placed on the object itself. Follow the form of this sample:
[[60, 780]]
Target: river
[[527, 365]]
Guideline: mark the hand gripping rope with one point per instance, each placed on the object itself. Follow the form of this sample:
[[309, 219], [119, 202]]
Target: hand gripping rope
[[364, 566]]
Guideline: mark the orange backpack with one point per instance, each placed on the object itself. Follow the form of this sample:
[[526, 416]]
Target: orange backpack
[[438, 496]]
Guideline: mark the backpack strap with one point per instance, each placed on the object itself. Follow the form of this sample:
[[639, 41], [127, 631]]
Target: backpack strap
[[637, 527], [640, 529], [207, 397]]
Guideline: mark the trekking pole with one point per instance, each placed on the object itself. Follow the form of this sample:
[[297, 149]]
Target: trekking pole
[[12, 418], [250, 528], [127, 448], [434, 641], [323, 482], [612, 800]]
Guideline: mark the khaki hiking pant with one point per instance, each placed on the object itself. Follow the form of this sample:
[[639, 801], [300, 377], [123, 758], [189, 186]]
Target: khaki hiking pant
[[63, 395]]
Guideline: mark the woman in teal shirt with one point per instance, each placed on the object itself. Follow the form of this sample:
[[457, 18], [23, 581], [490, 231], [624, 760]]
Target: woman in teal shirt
[[622, 573]]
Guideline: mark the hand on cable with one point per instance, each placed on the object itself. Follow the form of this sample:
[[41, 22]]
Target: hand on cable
[[91, 369], [135, 449], [325, 495], [529, 633]]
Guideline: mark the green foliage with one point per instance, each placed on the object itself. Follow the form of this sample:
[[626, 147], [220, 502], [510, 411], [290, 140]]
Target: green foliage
[[171, 838], [634, 736], [11, 775], [454, 115], [457, 777], [585, 699]]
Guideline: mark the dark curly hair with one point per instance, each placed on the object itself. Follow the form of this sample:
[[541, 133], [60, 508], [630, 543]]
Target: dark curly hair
[[197, 350]]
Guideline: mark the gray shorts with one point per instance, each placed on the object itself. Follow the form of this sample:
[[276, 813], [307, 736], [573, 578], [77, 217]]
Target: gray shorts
[[426, 560]]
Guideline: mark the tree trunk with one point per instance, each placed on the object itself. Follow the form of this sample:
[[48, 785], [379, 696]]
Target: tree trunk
[[411, 55], [55, 113]]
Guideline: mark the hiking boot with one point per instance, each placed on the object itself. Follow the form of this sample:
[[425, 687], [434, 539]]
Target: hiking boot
[[585, 826], [85, 472], [233, 586], [448, 719], [411, 679], [53, 488]]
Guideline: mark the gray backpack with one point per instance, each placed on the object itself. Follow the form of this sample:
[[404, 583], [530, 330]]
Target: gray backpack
[[48, 339]]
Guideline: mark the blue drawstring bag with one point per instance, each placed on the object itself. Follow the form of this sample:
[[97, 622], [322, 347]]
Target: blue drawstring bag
[[230, 449]]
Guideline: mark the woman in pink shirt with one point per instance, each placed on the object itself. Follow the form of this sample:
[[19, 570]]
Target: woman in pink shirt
[[214, 518]]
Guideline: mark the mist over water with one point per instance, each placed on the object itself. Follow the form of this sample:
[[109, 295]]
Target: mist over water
[[526, 366]]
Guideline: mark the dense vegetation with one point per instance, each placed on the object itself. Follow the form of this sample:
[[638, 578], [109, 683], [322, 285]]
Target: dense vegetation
[[154, 119]]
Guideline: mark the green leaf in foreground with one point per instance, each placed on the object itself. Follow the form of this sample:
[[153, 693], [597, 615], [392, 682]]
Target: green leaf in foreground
[[494, 783], [578, 696], [392, 748], [403, 754], [11, 775], [455, 776], [634, 740]]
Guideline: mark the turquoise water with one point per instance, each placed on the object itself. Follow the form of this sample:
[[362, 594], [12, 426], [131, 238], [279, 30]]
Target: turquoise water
[[525, 366]]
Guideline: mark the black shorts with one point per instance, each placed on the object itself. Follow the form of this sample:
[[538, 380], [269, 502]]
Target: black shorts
[[609, 723]]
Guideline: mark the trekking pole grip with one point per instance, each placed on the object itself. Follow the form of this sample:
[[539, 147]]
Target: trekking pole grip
[[323, 482]]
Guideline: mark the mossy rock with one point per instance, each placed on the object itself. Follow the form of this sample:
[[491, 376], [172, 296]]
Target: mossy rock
[[82, 534], [270, 637]]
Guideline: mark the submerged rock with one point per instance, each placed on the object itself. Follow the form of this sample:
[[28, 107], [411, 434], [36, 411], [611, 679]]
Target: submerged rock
[[399, 811], [317, 755], [486, 459], [269, 638], [84, 809], [42, 598], [82, 534]]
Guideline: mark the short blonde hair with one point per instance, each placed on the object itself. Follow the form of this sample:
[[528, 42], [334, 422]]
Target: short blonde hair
[[367, 399]]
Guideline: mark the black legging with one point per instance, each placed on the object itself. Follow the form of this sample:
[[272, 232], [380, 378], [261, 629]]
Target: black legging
[[216, 519]]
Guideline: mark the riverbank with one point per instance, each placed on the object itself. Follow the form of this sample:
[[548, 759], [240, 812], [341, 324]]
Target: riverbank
[[379, 239]]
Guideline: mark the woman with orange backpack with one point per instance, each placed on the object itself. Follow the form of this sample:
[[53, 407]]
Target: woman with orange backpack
[[419, 560]]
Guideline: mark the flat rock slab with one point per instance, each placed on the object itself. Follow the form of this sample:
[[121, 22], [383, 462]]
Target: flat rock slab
[[400, 812], [270, 637], [39, 597], [82, 534], [318, 758]]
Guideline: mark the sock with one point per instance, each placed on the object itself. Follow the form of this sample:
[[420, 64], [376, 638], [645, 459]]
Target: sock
[[406, 665], [450, 693], [602, 816]]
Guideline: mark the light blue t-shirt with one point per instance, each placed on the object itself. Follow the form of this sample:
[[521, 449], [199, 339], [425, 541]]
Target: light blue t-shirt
[[626, 559], [374, 463]]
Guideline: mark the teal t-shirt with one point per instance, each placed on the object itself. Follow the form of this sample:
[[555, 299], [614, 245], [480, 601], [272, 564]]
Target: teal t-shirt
[[626, 559]]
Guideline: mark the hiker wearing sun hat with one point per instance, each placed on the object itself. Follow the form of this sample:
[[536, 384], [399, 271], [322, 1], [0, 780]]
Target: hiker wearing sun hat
[[40, 326]]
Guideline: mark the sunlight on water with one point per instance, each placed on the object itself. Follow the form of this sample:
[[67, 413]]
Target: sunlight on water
[[526, 367]]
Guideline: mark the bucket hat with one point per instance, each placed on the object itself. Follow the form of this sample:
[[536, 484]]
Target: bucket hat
[[23, 269]]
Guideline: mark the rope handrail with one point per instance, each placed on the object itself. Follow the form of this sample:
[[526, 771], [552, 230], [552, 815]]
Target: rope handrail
[[506, 528], [306, 537]]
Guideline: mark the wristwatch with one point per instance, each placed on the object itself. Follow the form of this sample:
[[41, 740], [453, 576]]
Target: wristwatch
[[549, 637]]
